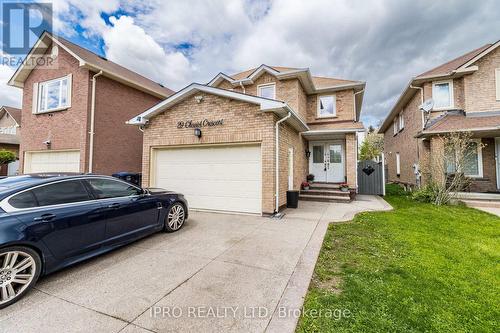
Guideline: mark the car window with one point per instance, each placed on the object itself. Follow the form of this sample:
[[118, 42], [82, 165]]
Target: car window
[[61, 193], [23, 200], [107, 188]]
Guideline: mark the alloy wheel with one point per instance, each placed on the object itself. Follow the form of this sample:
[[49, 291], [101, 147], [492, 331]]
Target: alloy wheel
[[17, 270], [176, 216]]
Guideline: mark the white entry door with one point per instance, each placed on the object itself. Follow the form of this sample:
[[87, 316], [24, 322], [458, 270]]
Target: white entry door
[[220, 178], [327, 162]]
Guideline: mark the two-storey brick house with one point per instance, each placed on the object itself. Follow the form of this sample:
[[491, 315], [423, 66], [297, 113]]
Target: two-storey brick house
[[241, 141], [10, 133], [74, 108], [465, 95]]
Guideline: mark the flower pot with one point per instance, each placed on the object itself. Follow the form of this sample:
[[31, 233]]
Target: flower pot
[[344, 189], [306, 188]]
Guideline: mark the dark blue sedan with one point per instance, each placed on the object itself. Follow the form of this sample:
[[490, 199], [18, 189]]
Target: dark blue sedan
[[48, 222]]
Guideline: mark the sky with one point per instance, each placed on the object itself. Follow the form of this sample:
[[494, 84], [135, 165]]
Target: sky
[[382, 42]]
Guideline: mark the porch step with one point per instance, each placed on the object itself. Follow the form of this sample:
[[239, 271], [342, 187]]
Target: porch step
[[324, 186], [482, 203], [324, 198], [326, 192]]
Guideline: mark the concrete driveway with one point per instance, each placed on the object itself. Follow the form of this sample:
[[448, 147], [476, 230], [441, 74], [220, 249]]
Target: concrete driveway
[[220, 273]]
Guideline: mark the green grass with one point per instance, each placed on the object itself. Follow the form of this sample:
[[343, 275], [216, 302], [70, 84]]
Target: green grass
[[419, 268]]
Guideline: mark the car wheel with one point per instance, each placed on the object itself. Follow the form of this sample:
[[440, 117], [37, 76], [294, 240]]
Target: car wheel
[[20, 268], [175, 217]]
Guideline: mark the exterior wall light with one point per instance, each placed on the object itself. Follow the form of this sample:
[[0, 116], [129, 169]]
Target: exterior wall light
[[308, 153], [197, 132]]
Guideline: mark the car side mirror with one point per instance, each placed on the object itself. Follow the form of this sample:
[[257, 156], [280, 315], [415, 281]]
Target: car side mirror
[[145, 191]]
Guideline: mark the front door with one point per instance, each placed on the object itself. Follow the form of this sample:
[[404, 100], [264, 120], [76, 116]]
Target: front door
[[327, 161]]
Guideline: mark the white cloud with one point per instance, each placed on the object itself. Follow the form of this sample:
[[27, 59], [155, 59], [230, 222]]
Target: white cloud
[[9, 96], [141, 53]]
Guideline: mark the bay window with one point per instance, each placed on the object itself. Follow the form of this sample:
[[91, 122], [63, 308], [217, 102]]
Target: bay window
[[442, 94], [54, 95]]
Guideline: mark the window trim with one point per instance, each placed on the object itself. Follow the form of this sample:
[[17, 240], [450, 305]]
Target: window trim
[[497, 83], [401, 121], [4, 204], [452, 97], [46, 83], [318, 110], [479, 160], [260, 86], [395, 126]]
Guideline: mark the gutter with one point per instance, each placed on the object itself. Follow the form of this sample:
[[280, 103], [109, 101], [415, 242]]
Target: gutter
[[277, 145], [421, 101], [92, 121], [355, 111]]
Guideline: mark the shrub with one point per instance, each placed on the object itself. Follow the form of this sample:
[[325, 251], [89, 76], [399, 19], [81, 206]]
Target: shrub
[[395, 190], [6, 156], [427, 193]]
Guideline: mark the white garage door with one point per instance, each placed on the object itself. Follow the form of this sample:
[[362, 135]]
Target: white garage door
[[224, 178], [52, 161]]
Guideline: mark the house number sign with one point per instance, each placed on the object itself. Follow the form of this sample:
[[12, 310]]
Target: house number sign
[[199, 124]]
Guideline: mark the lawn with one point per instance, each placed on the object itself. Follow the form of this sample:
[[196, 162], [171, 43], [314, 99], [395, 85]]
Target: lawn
[[418, 268]]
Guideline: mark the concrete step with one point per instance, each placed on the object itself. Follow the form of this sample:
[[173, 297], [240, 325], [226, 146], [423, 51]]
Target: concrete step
[[324, 186], [482, 203], [328, 192], [324, 198]]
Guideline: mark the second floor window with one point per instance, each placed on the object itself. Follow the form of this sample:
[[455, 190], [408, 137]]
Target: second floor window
[[401, 121], [442, 94], [54, 95], [326, 106], [267, 91]]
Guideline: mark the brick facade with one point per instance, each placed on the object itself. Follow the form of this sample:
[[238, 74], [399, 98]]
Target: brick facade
[[117, 146], [472, 93]]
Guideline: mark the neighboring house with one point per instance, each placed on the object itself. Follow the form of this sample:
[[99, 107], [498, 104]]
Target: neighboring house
[[68, 128], [466, 97], [241, 141], [10, 132]]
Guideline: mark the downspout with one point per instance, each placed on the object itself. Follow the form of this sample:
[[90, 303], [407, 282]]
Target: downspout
[[92, 118], [242, 87], [423, 126], [355, 113], [277, 145]]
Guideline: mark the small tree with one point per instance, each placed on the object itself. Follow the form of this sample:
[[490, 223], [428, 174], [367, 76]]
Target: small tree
[[6, 156], [371, 147], [449, 160]]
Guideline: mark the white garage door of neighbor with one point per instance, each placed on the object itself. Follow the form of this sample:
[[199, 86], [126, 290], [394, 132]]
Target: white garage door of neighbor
[[226, 178], [52, 161]]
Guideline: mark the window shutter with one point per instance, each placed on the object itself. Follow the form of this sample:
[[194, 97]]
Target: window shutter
[[70, 80], [34, 104]]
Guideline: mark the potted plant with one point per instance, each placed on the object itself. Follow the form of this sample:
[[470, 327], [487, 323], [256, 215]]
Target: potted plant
[[344, 187], [305, 186], [310, 178]]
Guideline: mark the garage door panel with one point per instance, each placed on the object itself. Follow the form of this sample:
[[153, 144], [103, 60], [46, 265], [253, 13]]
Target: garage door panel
[[224, 178], [52, 161]]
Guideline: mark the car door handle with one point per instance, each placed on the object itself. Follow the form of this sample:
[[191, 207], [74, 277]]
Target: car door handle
[[114, 205], [44, 218]]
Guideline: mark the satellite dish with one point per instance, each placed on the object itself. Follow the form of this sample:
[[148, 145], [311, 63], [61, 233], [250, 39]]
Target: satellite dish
[[427, 105]]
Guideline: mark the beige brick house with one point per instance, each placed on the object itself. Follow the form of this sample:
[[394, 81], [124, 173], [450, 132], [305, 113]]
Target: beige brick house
[[10, 133], [74, 108], [241, 141], [465, 97]]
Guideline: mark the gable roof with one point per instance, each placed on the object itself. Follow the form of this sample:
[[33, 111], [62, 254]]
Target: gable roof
[[455, 68], [93, 62], [15, 113], [266, 104], [311, 84]]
